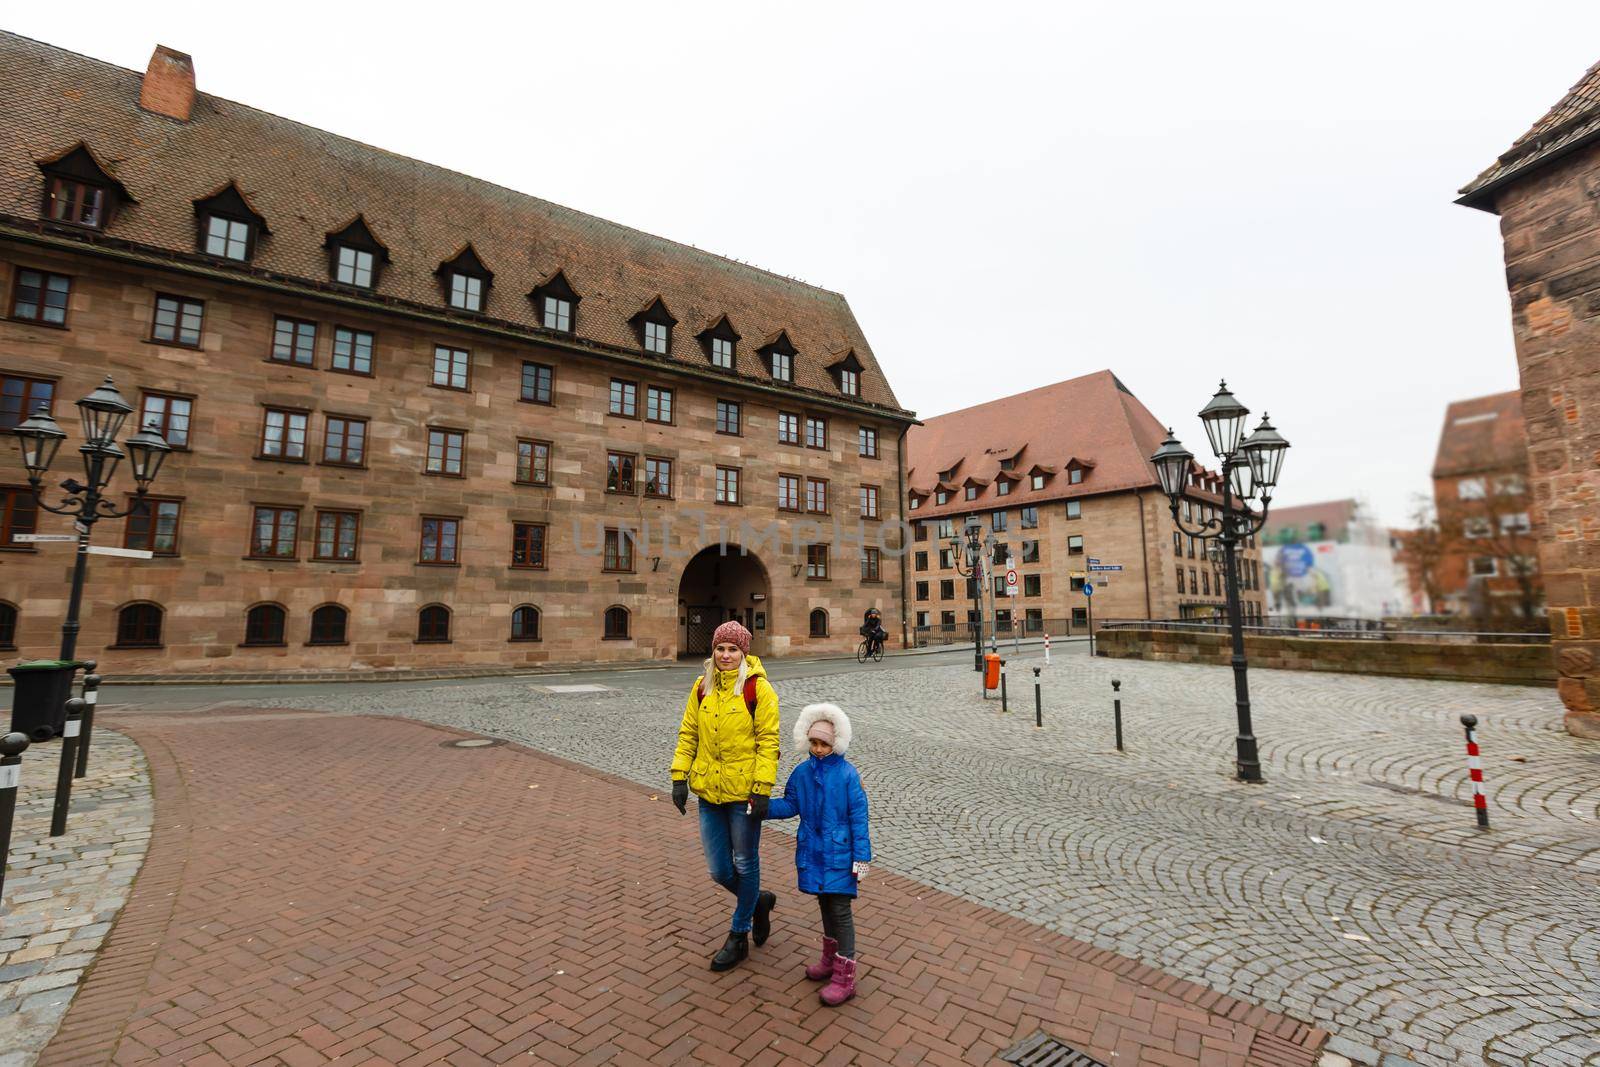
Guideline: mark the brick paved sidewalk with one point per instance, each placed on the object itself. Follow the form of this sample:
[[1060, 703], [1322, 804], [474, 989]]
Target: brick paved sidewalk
[[354, 890]]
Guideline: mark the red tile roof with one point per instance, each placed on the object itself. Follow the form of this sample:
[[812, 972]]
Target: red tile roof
[[1482, 434], [1093, 419], [308, 182], [1573, 123]]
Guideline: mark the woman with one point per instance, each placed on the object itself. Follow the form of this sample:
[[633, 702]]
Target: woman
[[728, 755]]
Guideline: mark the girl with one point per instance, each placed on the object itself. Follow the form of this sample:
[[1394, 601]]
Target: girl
[[728, 755], [834, 850]]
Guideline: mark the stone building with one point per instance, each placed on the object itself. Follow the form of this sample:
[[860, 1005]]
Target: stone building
[[1544, 190], [1060, 474], [421, 420]]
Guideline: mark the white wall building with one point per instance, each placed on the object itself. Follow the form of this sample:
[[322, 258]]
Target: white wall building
[[1331, 560]]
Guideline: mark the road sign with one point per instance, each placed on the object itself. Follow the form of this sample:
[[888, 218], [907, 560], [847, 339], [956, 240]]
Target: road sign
[[130, 553], [1011, 581], [1088, 589], [1105, 566], [1093, 561], [35, 539]]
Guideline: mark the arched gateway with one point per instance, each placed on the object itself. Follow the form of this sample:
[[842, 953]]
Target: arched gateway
[[722, 582]]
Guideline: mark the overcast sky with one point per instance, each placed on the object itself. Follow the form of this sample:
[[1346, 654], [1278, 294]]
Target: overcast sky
[[1009, 195]]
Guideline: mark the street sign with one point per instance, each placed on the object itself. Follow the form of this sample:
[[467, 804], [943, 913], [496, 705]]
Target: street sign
[[130, 553], [35, 539], [1105, 566], [1093, 561], [1088, 589], [1011, 581]]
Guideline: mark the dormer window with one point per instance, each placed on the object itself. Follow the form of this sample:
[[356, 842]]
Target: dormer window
[[1037, 481], [1002, 488], [228, 225], [356, 256], [720, 340], [1008, 464], [779, 354], [654, 323], [79, 191], [941, 497], [76, 202], [972, 492], [1075, 475], [466, 280], [847, 373], [556, 303]]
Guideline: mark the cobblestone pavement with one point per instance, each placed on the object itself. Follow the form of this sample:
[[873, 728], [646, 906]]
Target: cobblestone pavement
[[61, 893], [1352, 890]]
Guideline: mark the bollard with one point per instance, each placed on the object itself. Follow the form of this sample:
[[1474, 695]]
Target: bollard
[[1475, 770], [1038, 702], [11, 747], [69, 754], [91, 694], [1003, 706], [1116, 710], [1047, 650]]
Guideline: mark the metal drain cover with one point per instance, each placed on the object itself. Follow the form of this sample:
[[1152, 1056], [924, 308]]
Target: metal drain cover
[[473, 742], [1042, 1050]]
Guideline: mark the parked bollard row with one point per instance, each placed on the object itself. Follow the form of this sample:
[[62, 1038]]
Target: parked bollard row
[[91, 694], [1480, 802], [11, 748]]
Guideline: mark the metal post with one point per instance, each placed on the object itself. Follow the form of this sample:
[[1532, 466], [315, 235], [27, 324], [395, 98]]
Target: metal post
[[11, 749], [1116, 710], [1248, 762], [1089, 614], [69, 753], [1475, 771], [1047, 648], [82, 524], [1038, 701], [91, 695], [1003, 706]]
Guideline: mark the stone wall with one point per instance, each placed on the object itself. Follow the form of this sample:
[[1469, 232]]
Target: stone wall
[[1506, 664]]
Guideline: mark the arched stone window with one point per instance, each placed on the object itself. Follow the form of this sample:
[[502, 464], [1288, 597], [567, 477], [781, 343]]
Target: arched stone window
[[819, 623], [616, 623], [433, 624], [329, 625], [263, 625], [139, 626], [525, 623], [8, 625]]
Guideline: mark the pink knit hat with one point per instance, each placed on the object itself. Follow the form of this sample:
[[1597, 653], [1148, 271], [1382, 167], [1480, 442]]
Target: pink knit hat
[[733, 634], [821, 730]]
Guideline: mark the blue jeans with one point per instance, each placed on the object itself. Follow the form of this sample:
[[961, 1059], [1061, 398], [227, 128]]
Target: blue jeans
[[732, 842]]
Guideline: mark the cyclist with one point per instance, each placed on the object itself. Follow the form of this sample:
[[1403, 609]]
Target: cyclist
[[872, 629]]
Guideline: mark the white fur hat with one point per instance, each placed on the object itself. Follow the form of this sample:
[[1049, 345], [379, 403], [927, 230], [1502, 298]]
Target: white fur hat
[[833, 714]]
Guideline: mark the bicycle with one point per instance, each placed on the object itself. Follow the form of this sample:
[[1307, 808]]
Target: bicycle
[[869, 648]]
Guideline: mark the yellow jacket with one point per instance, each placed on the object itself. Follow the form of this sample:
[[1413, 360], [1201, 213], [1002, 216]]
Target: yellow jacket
[[724, 751]]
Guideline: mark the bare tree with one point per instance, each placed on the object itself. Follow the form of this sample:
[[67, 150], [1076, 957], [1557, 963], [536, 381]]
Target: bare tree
[[1423, 551]]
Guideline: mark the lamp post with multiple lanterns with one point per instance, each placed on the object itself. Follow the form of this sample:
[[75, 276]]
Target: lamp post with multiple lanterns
[[1250, 467], [103, 412], [971, 548]]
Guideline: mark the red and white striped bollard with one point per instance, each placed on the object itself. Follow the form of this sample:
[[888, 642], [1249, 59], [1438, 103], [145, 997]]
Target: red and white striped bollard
[[1475, 769]]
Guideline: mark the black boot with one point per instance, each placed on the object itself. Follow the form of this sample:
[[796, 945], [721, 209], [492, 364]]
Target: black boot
[[761, 925], [733, 951]]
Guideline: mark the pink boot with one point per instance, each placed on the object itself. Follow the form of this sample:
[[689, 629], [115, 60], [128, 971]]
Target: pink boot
[[823, 968], [843, 986]]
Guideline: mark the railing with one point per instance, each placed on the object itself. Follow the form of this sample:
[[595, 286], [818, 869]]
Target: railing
[[1345, 629], [959, 633]]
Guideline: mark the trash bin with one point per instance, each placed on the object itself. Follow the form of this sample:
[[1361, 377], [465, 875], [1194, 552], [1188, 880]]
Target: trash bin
[[39, 699]]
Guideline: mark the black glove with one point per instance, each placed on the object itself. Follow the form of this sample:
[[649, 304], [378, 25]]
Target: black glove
[[758, 805], [680, 795]]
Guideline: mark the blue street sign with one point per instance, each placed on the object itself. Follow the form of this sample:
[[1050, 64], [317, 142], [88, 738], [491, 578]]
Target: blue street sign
[[1093, 561], [1105, 566], [1088, 589]]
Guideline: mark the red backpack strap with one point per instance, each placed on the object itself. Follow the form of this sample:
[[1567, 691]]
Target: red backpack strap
[[750, 694]]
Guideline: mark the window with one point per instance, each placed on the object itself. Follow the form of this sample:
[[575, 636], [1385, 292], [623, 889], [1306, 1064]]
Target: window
[[527, 545], [1316, 532], [450, 367], [1030, 552], [328, 625], [817, 496], [440, 540], [538, 383], [19, 514], [728, 417], [941, 497], [947, 621], [1030, 518], [788, 492], [657, 476], [354, 267], [1038, 481], [1470, 489], [947, 589], [619, 550], [1205, 583], [1180, 581], [1002, 487], [867, 442], [1076, 585], [352, 350], [79, 203], [722, 353], [871, 558], [275, 532], [139, 626], [1074, 475], [916, 502], [1194, 582], [283, 434], [8, 625], [466, 292], [819, 623], [946, 558], [533, 462], [658, 404], [921, 561], [153, 525], [294, 341], [817, 562], [446, 451], [849, 382], [170, 414], [869, 502], [41, 297], [20, 396], [616, 623], [525, 623], [1477, 527], [433, 624], [1033, 621], [344, 441], [1515, 524], [946, 529], [1193, 541], [228, 238], [727, 485], [263, 625], [619, 472], [782, 365], [177, 321], [557, 315], [816, 432], [657, 337], [788, 428], [1031, 585], [1000, 585], [997, 521], [624, 399], [922, 590], [1075, 545], [338, 536], [1510, 485], [1080, 616], [972, 492]]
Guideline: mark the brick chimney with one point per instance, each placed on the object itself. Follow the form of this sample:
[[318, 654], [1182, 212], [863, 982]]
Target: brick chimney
[[168, 87]]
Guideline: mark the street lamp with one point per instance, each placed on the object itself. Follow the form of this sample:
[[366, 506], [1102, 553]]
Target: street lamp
[[102, 412], [1250, 468], [970, 549]]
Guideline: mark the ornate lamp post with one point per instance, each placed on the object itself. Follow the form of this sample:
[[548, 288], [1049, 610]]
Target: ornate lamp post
[[1250, 467], [970, 549], [103, 412]]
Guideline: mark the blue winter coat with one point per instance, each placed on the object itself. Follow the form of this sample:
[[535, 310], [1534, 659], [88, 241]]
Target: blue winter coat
[[826, 793]]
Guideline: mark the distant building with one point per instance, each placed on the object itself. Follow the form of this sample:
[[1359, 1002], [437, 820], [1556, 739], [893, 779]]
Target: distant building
[[1060, 474], [1330, 559]]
